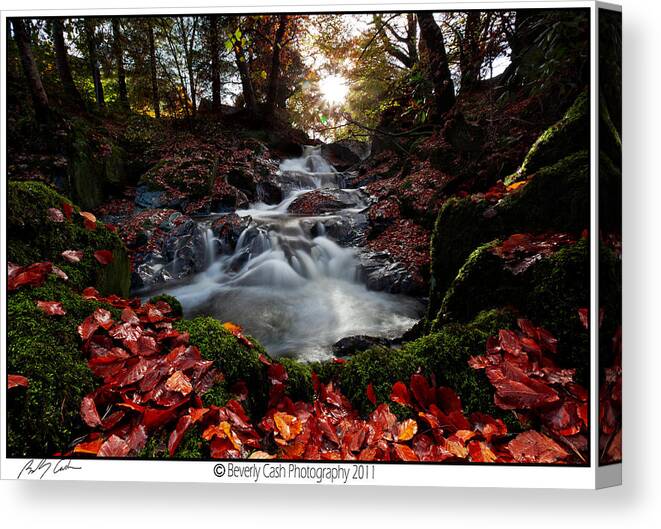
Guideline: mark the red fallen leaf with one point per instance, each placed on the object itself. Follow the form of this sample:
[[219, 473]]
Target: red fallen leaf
[[32, 275], [59, 273], [177, 435], [407, 430], [87, 216], [527, 328], [104, 318], [111, 227], [197, 413], [67, 209], [583, 316], [480, 453], [236, 331], [14, 381], [264, 360], [277, 373], [288, 426], [404, 452], [153, 418], [369, 392], [448, 400], [423, 393], [88, 327], [90, 447], [154, 314], [400, 394], [534, 447], [547, 340], [316, 383], [137, 438], [91, 293], [510, 342], [72, 256], [516, 390], [129, 316], [240, 390], [55, 215], [114, 447], [51, 308], [339, 360], [89, 412], [488, 426], [179, 382], [104, 257]]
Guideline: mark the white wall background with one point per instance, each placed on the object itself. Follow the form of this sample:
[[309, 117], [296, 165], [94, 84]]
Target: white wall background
[[636, 504]]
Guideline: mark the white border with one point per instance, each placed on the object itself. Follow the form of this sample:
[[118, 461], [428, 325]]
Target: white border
[[469, 475]]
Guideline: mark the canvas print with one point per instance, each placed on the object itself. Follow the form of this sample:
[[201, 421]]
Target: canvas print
[[309, 237]]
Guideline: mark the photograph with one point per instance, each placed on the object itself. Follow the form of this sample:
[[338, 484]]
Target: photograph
[[324, 236]]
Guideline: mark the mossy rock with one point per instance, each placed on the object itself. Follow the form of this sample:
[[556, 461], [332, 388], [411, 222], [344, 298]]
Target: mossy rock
[[549, 293], [381, 367], [446, 352], [93, 172], [481, 283], [557, 199], [299, 379], [235, 360], [460, 227], [44, 417], [570, 134], [33, 238]]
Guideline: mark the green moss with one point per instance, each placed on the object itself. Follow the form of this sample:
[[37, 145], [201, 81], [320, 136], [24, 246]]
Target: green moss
[[235, 360], [218, 395], [192, 446], [381, 367], [299, 379], [460, 228], [93, 171], [481, 283], [44, 418], [557, 287], [570, 134], [175, 305], [32, 237], [447, 350]]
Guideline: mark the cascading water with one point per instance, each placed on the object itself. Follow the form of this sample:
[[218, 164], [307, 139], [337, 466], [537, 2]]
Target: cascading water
[[296, 292]]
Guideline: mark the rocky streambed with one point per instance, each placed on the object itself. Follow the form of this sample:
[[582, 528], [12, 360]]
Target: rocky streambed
[[295, 274]]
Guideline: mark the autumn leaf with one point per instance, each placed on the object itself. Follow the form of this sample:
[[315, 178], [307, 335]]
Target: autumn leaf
[[288, 426], [89, 412], [114, 447], [31, 275], [534, 447], [179, 382], [104, 257], [583, 316], [51, 308], [480, 453], [404, 452], [369, 392], [67, 209], [55, 215], [400, 394], [14, 381], [407, 430], [89, 447], [236, 331], [72, 256]]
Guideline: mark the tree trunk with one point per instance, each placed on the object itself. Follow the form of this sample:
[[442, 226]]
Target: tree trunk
[[188, 52], [90, 33], [118, 52], [274, 79], [215, 64], [39, 97], [152, 66], [62, 63], [435, 60], [246, 82], [469, 54]]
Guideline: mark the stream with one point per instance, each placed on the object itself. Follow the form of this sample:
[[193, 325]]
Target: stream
[[287, 282]]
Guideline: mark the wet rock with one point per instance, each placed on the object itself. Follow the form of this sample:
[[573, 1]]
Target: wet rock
[[323, 201], [340, 155], [380, 272], [228, 228], [354, 344], [345, 230], [148, 198]]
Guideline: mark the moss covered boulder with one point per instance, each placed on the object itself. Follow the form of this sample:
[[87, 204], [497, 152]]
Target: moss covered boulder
[[570, 134], [556, 199], [236, 361], [44, 417], [33, 237], [97, 165]]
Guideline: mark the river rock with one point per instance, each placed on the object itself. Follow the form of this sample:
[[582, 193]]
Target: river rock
[[380, 272], [354, 344], [148, 198], [340, 155], [228, 228]]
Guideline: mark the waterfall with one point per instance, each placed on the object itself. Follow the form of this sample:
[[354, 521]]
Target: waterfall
[[293, 287]]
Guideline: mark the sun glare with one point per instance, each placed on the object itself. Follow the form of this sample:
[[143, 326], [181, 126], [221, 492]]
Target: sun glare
[[334, 89]]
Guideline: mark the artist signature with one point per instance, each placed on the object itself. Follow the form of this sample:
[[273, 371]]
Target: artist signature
[[44, 466]]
